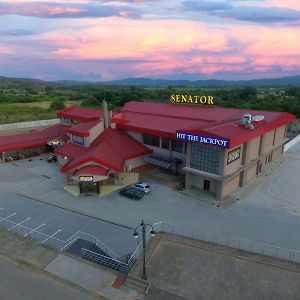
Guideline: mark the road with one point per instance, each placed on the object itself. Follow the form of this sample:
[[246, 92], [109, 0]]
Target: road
[[24, 284]]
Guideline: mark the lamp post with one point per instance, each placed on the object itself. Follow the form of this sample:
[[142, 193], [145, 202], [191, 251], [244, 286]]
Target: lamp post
[[136, 235]]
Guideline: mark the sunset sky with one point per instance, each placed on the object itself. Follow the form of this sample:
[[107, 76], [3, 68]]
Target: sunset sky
[[179, 39]]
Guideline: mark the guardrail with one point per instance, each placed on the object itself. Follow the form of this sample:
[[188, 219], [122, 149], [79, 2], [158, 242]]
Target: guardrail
[[50, 240], [126, 262], [105, 261], [231, 241]]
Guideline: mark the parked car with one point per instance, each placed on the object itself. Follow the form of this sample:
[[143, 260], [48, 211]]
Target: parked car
[[145, 187], [52, 158], [132, 193]]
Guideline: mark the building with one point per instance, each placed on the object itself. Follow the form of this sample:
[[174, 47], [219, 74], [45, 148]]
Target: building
[[217, 149]]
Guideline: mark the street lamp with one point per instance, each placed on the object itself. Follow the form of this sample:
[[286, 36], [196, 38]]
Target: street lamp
[[136, 235]]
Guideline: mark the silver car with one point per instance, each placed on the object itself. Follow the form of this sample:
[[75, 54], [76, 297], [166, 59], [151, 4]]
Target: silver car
[[145, 187]]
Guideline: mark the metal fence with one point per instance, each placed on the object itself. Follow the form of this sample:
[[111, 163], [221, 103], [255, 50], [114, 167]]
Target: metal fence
[[49, 239], [231, 241], [125, 263]]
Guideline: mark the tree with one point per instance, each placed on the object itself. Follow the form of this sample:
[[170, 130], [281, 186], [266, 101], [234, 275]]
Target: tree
[[57, 104]]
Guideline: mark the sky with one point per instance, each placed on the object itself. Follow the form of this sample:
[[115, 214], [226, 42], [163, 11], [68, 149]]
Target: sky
[[99, 40]]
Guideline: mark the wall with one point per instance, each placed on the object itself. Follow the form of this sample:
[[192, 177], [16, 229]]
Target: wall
[[252, 149], [276, 153], [249, 173], [280, 132], [135, 162], [94, 133], [235, 165], [136, 135], [267, 142], [230, 186], [30, 124]]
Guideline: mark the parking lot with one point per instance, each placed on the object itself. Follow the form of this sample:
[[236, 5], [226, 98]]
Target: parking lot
[[266, 211], [42, 178]]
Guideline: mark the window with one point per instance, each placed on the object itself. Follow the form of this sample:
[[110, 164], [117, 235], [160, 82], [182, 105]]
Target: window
[[177, 146], [205, 158], [151, 140], [165, 143], [76, 139]]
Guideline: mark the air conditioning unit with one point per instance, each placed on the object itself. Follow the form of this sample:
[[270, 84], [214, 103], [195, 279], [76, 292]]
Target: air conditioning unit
[[128, 168]]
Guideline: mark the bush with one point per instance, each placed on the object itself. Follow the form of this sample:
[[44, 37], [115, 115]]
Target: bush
[[57, 104]]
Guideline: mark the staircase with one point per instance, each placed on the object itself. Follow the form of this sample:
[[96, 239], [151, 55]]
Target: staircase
[[97, 255]]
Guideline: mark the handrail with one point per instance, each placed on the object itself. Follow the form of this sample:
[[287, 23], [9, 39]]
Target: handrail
[[105, 257]]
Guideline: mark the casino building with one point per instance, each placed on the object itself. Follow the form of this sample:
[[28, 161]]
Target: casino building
[[217, 149]]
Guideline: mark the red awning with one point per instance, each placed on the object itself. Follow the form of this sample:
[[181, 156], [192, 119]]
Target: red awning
[[91, 170]]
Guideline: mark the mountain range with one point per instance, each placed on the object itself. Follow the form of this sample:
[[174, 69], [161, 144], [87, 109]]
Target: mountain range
[[6, 82]]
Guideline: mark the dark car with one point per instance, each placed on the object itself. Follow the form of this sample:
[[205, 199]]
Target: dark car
[[52, 158], [132, 193]]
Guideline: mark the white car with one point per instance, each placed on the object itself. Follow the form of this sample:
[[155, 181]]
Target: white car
[[145, 187]]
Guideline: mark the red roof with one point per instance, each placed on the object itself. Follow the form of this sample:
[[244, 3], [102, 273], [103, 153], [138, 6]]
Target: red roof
[[36, 138], [83, 129], [91, 170], [110, 149], [211, 121], [70, 150], [81, 114]]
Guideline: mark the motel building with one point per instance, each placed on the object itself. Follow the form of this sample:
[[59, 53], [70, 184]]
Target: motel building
[[217, 149]]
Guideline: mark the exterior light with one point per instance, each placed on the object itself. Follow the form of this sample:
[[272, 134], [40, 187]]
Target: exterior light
[[65, 157], [144, 241]]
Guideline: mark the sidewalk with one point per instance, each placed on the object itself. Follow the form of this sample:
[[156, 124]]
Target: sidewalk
[[91, 277]]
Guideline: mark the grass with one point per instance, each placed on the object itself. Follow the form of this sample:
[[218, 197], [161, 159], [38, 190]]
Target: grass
[[22, 112]]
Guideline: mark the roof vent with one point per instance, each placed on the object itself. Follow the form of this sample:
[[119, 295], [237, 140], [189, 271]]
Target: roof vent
[[246, 119], [249, 126], [258, 118]]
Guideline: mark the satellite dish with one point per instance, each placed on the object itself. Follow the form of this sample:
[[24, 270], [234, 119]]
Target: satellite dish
[[258, 118]]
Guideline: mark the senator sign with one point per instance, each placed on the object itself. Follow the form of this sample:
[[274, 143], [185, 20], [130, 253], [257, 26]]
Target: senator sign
[[192, 99], [86, 178], [202, 139], [233, 155]]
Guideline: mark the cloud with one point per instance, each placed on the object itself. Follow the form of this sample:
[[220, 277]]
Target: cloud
[[257, 14], [18, 32], [206, 6], [260, 14], [67, 10]]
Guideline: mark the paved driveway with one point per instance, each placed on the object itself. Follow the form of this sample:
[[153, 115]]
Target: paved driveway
[[267, 210]]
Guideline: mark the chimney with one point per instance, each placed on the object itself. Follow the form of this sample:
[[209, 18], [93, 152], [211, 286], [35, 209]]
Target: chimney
[[105, 114]]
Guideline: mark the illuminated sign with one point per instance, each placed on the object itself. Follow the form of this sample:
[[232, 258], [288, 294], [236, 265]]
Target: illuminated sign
[[233, 155], [86, 178], [54, 143], [192, 99], [77, 139], [202, 139]]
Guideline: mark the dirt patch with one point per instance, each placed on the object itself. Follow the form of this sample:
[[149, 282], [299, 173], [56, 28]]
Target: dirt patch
[[46, 104]]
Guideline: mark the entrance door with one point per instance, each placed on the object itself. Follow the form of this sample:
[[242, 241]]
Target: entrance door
[[206, 185], [89, 187]]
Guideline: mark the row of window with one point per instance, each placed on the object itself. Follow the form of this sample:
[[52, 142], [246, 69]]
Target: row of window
[[205, 158], [156, 141]]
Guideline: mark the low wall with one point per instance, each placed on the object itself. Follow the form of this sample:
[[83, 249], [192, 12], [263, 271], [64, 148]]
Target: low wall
[[291, 143], [30, 124]]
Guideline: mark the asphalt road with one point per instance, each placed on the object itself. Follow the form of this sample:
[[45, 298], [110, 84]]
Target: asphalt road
[[24, 284]]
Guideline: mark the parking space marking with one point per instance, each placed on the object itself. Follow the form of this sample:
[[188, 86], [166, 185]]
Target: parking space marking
[[6, 218], [51, 236], [34, 229], [19, 223]]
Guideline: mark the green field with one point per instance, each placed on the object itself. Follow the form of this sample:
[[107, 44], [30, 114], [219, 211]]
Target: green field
[[24, 100]]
